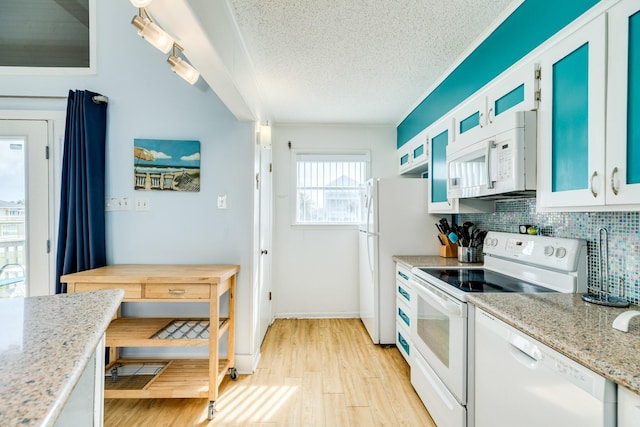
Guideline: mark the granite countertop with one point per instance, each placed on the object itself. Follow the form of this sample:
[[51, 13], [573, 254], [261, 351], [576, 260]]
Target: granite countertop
[[45, 345], [579, 330], [411, 261]]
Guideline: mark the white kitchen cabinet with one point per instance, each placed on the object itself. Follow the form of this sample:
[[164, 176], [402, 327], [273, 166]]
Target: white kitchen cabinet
[[582, 166], [403, 312], [413, 156], [571, 119], [628, 408], [85, 406], [483, 115], [622, 180]]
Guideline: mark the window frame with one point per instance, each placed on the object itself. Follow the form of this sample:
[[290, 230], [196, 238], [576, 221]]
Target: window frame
[[295, 153], [64, 71]]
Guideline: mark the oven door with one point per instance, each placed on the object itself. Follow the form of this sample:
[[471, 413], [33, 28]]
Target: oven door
[[439, 333]]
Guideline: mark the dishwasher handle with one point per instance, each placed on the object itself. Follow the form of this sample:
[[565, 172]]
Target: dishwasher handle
[[524, 351]]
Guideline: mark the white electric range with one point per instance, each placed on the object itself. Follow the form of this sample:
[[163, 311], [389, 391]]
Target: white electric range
[[442, 328]]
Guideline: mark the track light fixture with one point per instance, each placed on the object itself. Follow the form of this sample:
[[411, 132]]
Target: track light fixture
[[182, 67], [150, 31]]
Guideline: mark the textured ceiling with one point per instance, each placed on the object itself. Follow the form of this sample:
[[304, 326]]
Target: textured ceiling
[[356, 61]]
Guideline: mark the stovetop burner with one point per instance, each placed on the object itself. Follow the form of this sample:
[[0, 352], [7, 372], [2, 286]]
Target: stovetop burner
[[481, 280]]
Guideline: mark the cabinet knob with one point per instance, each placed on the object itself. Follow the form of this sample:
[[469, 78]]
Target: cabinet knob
[[264, 252]]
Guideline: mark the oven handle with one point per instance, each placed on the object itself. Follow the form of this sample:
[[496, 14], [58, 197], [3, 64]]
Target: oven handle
[[447, 305]]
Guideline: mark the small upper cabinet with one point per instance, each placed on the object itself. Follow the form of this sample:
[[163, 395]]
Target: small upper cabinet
[[622, 180], [571, 119], [413, 157], [516, 91], [438, 201], [483, 115]]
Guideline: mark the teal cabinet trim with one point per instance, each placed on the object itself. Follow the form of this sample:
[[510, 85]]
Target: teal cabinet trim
[[525, 29], [570, 122], [439, 167], [404, 159], [633, 102], [404, 276], [418, 151], [508, 100], [470, 122]]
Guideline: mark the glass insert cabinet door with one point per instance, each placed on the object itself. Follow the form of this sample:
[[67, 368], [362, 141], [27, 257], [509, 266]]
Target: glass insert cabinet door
[[623, 104], [572, 119], [24, 209]]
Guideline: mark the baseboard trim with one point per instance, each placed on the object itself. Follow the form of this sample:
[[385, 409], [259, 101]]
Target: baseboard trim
[[317, 316], [247, 363]]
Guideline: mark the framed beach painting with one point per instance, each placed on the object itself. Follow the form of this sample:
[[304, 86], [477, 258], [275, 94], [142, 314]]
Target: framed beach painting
[[166, 165]]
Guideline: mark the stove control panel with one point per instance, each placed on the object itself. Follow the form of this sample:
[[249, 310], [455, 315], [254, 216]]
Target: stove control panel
[[551, 252]]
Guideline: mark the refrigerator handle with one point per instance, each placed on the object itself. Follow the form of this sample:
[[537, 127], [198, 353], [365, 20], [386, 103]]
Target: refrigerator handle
[[369, 236]]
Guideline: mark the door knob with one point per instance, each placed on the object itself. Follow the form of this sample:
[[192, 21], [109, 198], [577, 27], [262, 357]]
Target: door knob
[[264, 252]]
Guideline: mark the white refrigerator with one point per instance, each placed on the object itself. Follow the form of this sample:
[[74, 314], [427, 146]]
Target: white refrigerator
[[397, 223]]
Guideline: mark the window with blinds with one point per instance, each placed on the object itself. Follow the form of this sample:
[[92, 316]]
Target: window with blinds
[[328, 188]]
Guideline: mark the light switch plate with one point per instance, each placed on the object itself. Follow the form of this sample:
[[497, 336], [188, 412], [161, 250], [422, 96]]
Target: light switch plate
[[222, 201]]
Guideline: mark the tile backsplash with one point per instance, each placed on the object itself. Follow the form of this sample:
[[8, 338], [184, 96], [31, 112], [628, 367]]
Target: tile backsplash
[[622, 227]]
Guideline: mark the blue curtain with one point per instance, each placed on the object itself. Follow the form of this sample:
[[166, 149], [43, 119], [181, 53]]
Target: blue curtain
[[81, 235]]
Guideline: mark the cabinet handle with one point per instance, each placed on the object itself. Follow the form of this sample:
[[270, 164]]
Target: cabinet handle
[[594, 175], [490, 115], [177, 291], [614, 188], [480, 121]]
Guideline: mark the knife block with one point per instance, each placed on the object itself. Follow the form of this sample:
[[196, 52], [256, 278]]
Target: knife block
[[447, 249]]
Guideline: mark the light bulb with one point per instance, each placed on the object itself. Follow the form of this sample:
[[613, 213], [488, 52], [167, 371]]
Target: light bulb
[[153, 34], [183, 69], [140, 3]]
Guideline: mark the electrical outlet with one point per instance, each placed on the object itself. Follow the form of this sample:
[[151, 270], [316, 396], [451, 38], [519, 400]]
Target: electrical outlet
[[222, 201], [142, 204], [110, 204], [124, 204], [116, 203]]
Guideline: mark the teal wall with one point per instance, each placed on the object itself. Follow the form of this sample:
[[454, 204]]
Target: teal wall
[[533, 22]]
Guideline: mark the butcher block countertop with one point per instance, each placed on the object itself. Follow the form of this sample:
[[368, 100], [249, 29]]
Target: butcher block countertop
[[45, 344], [579, 330]]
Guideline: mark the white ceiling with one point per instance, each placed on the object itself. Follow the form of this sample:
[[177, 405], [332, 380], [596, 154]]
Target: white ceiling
[[327, 61], [355, 61]]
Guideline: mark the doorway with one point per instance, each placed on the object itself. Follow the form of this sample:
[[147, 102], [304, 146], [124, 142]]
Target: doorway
[[24, 208]]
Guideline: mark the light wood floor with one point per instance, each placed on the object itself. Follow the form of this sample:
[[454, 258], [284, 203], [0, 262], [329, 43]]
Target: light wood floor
[[317, 372]]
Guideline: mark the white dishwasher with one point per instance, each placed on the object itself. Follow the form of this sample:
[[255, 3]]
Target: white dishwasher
[[522, 382]]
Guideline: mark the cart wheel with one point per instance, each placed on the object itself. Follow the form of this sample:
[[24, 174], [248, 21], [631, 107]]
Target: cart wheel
[[233, 373], [211, 410]]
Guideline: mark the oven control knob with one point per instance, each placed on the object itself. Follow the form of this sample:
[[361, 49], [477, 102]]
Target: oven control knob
[[548, 250], [561, 252]]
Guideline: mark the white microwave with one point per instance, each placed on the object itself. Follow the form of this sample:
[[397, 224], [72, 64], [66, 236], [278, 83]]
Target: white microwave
[[498, 167]]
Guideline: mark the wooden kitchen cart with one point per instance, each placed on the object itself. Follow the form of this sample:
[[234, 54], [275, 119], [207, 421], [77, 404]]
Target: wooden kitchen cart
[[179, 378]]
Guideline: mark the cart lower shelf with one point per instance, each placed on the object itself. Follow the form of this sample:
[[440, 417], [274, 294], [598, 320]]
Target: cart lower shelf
[[177, 378]]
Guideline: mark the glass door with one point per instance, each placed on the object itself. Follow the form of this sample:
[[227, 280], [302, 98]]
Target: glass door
[[24, 209]]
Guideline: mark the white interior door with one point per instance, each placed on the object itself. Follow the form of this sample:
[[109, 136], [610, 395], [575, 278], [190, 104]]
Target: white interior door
[[24, 208], [262, 237], [265, 241]]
